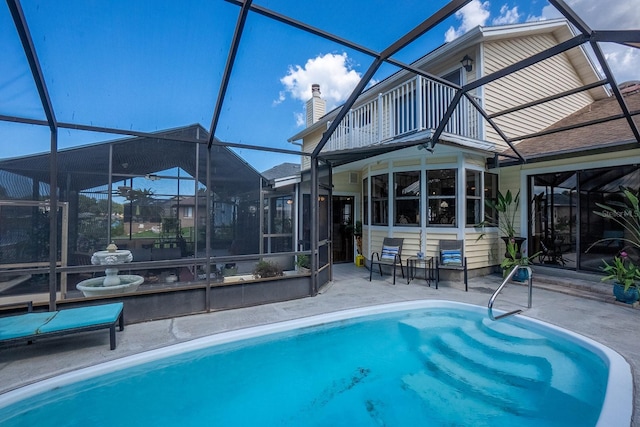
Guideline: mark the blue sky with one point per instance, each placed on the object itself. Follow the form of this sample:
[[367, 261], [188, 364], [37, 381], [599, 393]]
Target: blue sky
[[153, 65]]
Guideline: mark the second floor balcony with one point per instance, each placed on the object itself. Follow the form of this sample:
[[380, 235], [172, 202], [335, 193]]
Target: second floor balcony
[[406, 111]]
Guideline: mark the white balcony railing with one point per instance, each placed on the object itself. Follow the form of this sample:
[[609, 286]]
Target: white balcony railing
[[416, 105]]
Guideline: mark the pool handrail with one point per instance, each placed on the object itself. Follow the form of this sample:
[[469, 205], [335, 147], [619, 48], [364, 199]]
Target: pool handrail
[[504, 283]]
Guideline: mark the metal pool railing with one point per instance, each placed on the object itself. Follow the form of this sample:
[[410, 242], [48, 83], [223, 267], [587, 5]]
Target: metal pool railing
[[504, 283]]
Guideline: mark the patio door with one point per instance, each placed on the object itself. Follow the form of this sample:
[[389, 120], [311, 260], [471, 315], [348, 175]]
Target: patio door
[[342, 238], [555, 219]]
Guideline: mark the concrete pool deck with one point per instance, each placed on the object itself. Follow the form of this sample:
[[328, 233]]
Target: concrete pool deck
[[613, 325]]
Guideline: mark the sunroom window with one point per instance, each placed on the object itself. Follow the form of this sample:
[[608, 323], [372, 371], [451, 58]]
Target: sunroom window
[[380, 199], [365, 201], [407, 198], [473, 187], [475, 182], [441, 187]]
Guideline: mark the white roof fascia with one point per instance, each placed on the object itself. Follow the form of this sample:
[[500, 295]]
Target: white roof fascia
[[287, 180]]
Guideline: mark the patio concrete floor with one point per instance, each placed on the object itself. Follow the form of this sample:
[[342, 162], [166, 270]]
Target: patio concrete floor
[[613, 325]]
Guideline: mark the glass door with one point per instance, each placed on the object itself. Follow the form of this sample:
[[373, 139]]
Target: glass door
[[554, 208], [342, 239]]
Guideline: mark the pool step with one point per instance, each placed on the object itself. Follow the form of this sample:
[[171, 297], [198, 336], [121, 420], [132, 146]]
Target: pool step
[[457, 348], [566, 375], [433, 391], [504, 329], [492, 388], [462, 405], [514, 367], [418, 329]]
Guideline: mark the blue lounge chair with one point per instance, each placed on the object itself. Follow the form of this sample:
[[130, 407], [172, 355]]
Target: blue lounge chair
[[31, 326]]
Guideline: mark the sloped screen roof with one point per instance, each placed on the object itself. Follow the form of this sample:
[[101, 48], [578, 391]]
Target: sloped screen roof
[[87, 167], [134, 68]]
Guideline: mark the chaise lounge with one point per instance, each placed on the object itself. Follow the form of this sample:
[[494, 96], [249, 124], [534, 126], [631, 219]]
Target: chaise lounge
[[31, 326]]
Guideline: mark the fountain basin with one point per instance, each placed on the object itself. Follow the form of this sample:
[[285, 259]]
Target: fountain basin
[[119, 256], [94, 287]]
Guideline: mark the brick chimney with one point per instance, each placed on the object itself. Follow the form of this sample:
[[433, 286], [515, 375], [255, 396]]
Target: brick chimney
[[316, 106]]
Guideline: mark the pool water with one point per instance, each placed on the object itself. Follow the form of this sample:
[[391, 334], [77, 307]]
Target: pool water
[[437, 366]]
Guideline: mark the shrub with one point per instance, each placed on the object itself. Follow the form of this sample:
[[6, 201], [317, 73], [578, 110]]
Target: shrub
[[267, 269]]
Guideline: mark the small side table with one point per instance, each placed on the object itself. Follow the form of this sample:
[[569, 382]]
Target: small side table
[[426, 263]]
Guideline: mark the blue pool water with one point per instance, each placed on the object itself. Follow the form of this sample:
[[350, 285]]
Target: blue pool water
[[433, 363]]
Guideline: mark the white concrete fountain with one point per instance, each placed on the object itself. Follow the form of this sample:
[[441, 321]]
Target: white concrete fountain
[[112, 283]]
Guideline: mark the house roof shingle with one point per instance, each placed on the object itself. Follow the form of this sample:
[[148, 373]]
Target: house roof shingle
[[609, 133], [282, 170]]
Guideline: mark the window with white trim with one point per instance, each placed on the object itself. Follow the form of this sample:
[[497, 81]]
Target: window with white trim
[[380, 199], [441, 200], [407, 198]]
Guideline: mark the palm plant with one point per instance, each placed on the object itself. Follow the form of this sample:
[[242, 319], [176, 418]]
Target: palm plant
[[505, 208], [625, 214]]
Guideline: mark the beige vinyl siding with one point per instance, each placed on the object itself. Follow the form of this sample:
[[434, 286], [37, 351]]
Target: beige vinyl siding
[[415, 161], [411, 244], [484, 252], [379, 166], [309, 144], [545, 78], [375, 242], [480, 253], [442, 160], [474, 160], [366, 249], [341, 182]]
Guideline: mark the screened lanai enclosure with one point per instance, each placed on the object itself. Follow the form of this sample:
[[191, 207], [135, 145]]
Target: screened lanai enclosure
[[136, 135], [168, 199]]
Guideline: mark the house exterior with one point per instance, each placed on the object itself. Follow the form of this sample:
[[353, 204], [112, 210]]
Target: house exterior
[[569, 173], [413, 180]]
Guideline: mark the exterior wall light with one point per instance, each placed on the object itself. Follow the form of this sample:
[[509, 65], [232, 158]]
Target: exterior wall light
[[467, 63]]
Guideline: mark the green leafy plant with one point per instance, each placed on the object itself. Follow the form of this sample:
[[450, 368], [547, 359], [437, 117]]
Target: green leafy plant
[[303, 261], [515, 258], [267, 269], [622, 271], [505, 206], [357, 228], [626, 214]]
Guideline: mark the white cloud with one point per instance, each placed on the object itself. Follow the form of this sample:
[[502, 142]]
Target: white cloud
[[333, 72], [281, 97], [619, 15], [300, 119], [507, 16], [473, 14], [623, 61]]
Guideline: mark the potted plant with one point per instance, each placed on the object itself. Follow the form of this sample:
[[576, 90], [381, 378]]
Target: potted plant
[[356, 230], [622, 271], [505, 207], [625, 276], [303, 263], [514, 258], [357, 233]]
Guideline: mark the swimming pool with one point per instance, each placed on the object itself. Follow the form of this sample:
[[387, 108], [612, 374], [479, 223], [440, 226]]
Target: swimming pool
[[417, 363]]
